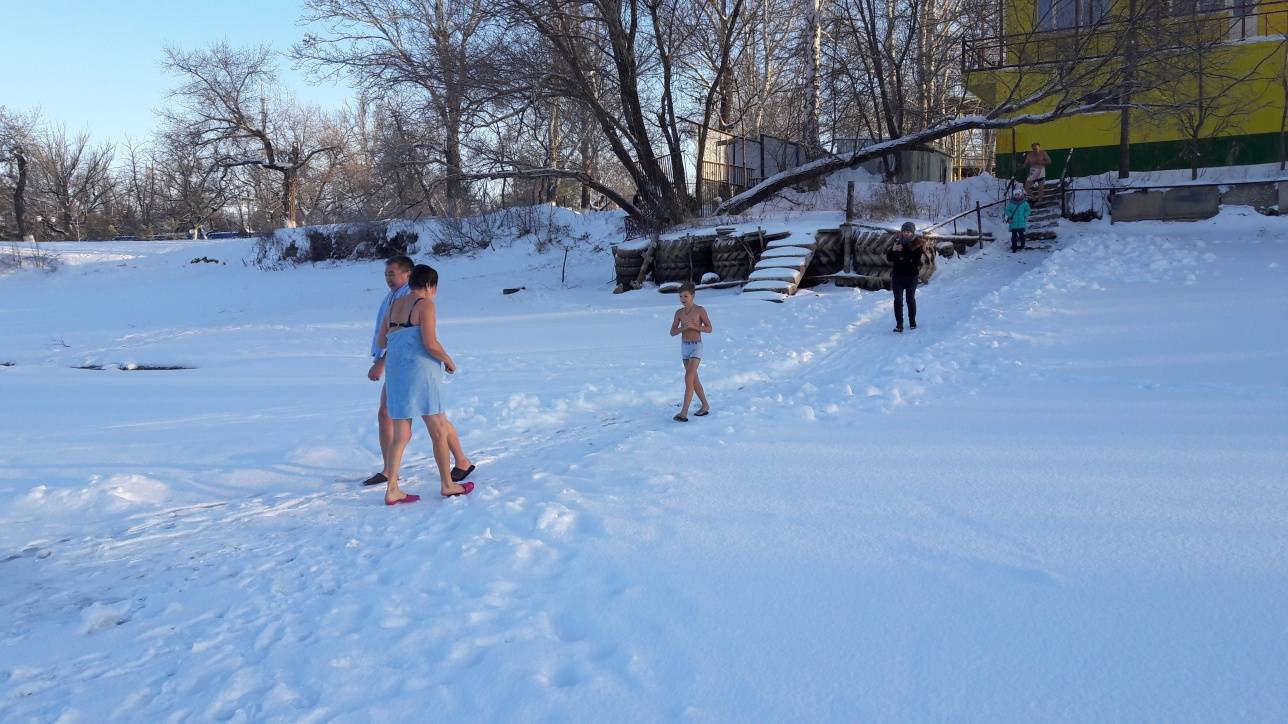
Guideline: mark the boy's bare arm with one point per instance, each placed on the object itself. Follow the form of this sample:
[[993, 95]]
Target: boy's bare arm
[[676, 327], [704, 321]]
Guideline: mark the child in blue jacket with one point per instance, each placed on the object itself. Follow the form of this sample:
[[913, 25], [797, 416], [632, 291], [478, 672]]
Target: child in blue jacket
[[1017, 216]]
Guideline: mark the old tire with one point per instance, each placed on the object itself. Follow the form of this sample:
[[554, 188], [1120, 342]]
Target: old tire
[[730, 259], [703, 256], [829, 256], [627, 263], [671, 261]]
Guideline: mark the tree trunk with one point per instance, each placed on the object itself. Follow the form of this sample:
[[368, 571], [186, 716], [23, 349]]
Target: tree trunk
[[1283, 126], [554, 140], [1283, 113], [813, 103], [1129, 64], [70, 226], [1124, 144], [20, 197], [290, 197], [587, 164], [452, 157]]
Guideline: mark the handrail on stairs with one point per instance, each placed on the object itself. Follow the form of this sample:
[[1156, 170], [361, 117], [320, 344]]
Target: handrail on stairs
[[978, 220], [1065, 177]]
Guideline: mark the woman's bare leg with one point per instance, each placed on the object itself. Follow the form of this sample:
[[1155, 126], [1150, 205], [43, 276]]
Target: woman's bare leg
[[393, 459], [454, 443], [438, 432]]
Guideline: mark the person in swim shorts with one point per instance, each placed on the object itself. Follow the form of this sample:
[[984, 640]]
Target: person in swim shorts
[[691, 321]]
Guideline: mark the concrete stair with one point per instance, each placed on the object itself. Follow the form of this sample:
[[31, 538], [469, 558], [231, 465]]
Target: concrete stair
[[1045, 217], [777, 275]]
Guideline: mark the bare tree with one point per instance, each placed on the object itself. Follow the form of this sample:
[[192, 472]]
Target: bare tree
[[73, 179], [1200, 91], [143, 186], [1080, 75], [231, 105], [617, 59], [812, 57], [441, 49], [1283, 113], [894, 67], [195, 186], [715, 52], [17, 142]]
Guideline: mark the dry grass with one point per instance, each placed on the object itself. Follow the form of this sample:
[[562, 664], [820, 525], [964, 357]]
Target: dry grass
[[28, 255]]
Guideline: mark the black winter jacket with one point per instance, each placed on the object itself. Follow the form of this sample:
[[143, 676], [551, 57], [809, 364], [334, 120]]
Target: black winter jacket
[[907, 262]]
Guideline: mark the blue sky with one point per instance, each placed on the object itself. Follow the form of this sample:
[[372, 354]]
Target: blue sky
[[96, 64]]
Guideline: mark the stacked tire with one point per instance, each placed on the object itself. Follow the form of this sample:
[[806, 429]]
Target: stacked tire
[[829, 254], [682, 260], [929, 257], [733, 257], [703, 256], [870, 261], [627, 262]]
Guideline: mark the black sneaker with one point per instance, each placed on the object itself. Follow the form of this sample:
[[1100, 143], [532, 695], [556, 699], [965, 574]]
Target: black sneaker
[[899, 330], [914, 325]]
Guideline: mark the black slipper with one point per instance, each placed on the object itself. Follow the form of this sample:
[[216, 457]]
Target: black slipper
[[377, 479], [702, 413], [458, 475], [680, 418]]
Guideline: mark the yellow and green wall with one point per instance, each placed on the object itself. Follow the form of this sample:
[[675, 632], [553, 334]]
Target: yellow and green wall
[[1156, 142]]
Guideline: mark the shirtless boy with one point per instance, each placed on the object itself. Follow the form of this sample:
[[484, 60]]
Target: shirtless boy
[[691, 321]]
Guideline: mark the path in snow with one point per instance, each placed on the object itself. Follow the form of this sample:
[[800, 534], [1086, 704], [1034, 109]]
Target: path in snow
[[820, 548]]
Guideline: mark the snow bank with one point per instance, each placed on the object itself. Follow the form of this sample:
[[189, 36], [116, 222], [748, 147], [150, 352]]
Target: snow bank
[[1060, 498]]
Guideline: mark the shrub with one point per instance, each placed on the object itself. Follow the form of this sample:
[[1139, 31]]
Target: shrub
[[321, 247], [18, 257], [366, 240]]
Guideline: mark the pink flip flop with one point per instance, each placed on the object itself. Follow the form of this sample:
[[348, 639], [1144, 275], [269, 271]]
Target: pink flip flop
[[409, 499], [469, 488]]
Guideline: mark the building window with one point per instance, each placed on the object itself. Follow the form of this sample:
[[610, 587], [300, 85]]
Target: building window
[[1191, 7], [1061, 14]]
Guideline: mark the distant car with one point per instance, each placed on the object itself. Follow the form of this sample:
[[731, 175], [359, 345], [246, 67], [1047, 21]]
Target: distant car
[[125, 238], [224, 235]]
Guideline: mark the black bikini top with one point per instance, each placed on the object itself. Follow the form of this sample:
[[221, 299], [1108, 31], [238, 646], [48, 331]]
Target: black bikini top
[[405, 325]]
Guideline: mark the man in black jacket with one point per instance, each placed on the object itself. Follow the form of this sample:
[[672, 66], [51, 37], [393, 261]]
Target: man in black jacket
[[905, 256]]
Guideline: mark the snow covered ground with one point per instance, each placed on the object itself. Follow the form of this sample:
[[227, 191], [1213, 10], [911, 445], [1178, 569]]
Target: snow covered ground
[[1063, 498]]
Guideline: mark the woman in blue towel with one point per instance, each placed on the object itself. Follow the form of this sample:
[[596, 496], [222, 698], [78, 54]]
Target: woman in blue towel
[[414, 365]]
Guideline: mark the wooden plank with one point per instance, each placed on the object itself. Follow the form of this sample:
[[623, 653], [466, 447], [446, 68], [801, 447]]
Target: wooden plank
[[767, 296], [780, 262], [787, 275], [667, 288], [768, 285], [785, 251], [807, 243]]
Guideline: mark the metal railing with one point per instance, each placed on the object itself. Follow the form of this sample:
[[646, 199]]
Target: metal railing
[[1088, 42], [1065, 177]]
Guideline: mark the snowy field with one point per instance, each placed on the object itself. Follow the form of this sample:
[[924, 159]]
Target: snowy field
[[1063, 498]]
